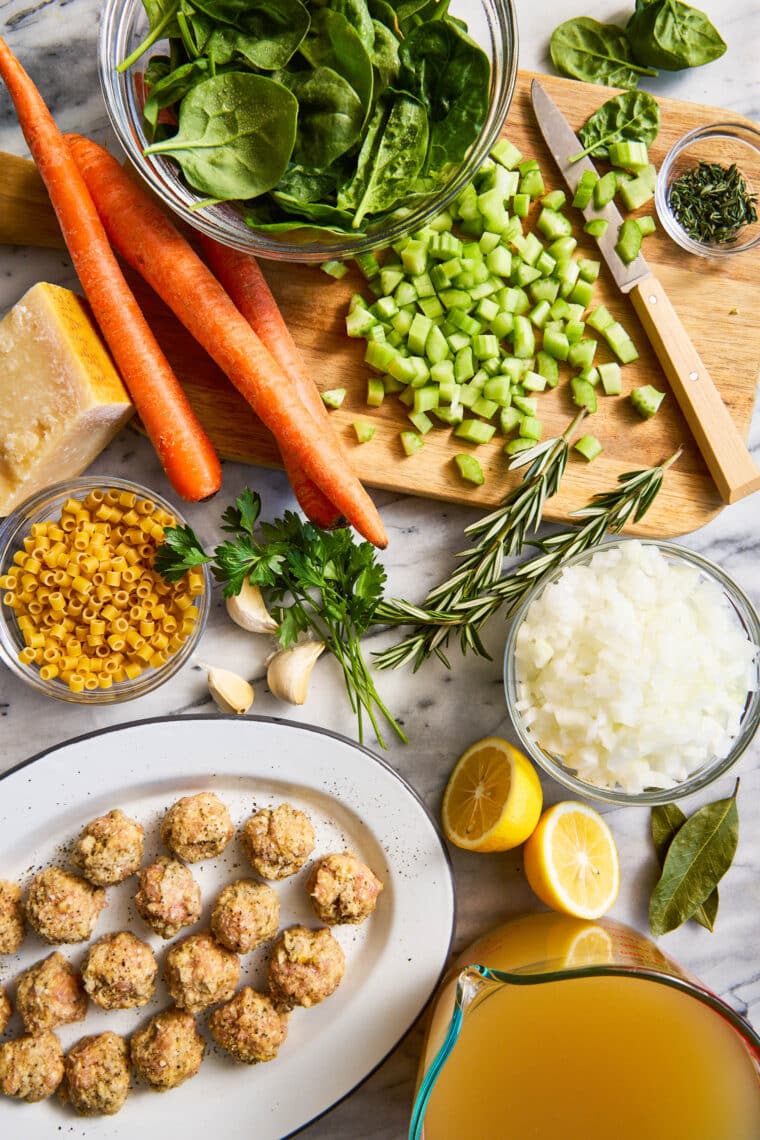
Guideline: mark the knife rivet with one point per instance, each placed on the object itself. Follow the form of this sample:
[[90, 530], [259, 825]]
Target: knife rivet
[[652, 299], [694, 376]]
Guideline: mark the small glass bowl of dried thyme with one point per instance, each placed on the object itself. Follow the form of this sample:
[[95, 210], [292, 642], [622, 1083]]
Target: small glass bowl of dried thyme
[[708, 190]]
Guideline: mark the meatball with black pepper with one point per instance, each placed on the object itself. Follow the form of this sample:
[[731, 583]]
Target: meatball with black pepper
[[31, 1068], [197, 827], [305, 967], [119, 971], [62, 907], [342, 889], [199, 972], [249, 1027], [6, 1009], [245, 914], [50, 994], [109, 849], [168, 897], [11, 917], [167, 1051], [278, 841], [96, 1075]]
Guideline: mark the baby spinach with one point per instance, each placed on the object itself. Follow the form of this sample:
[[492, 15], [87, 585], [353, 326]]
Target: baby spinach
[[271, 29], [384, 57], [633, 115], [358, 16], [333, 42], [597, 53], [170, 89], [236, 134], [401, 152], [330, 116], [671, 35]]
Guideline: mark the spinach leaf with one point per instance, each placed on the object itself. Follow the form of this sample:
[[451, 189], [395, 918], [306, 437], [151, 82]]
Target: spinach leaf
[[384, 57], [398, 159], [697, 859], [332, 42], [358, 16], [666, 821], [330, 115], [597, 53], [384, 13], [634, 115], [671, 35], [236, 135], [352, 191], [171, 89], [319, 212], [269, 31], [450, 75]]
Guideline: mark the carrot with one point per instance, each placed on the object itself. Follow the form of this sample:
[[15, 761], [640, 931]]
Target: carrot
[[241, 276], [145, 237], [184, 449]]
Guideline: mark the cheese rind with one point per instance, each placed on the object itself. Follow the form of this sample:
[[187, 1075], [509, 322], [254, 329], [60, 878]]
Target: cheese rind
[[61, 399]]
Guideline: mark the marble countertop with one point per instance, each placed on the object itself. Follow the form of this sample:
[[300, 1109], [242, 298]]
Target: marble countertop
[[442, 713]]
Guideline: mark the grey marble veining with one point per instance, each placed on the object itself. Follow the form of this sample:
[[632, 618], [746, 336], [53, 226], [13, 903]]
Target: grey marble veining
[[442, 712]]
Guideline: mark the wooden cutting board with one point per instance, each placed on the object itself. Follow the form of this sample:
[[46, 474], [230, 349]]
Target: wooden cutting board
[[717, 301]]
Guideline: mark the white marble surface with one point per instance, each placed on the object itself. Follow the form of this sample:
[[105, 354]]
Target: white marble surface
[[442, 712]]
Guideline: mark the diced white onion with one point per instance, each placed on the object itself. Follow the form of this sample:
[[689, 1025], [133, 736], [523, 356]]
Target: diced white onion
[[633, 669]]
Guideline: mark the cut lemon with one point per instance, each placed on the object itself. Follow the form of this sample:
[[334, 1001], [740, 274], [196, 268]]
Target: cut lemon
[[571, 861], [493, 798]]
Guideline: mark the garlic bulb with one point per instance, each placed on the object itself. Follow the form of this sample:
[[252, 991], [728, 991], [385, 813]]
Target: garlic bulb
[[231, 692], [289, 670], [247, 610]]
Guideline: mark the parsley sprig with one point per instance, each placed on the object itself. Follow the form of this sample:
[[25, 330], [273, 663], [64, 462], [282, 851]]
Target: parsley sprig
[[313, 581]]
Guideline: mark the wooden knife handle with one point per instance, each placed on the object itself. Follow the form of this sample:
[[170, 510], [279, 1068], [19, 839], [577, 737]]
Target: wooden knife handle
[[722, 447], [26, 216]]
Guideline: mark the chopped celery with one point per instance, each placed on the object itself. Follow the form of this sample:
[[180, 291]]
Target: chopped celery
[[560, 309], [581, 354], [488, 241], [528, 405], [589, 269], [528, 164], [588, 446], [545, 289], [547, 367], [391, 384], [540, 314], [628, 244], [451, 416], [375, 392], [464, 367], [368, 265], [423, 286], [604, 189], [485, 408], [468, 395], [499, 388], [502, 324], [499, 260], [377, 332], [525, 274], [532, 183], [411, 442], [436, 345], [442, 372], [364, 431], [610, 376], [574, 330], [523, 340], [414, 257], [509, 419], [485, 345], [405, 294], [445, 246], [515, 446], [381, 356], [646, 400], [583, 394], [487, 309], [591, 374], [620, 343], [493, 211], [582, 293], [646, 225], [521, 205], [534, 382], [555, 200], [333, 397], [563, 248], [600, 319], [506, 153], [596, 227], [515, 300], [546, 263], [336, 269], [455, 299], [470, 469], [584, 191], [474, 431], [556, 344], [636, 193], [531, 428], [628, 155], [464, 322], [359, 321], [422, 422], [426, 398], [553, 225], [418, 333]]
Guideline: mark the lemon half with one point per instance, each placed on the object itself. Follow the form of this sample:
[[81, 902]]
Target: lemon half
[[493, 798], [571, 861]]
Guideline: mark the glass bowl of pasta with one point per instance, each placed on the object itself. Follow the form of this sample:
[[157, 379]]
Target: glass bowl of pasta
[[84, 616]]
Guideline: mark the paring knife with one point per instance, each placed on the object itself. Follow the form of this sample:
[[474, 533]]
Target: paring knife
[[722, 447]]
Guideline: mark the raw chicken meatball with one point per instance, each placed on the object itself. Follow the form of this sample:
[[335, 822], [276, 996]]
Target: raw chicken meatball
[[343, 889], [197, 827], [6, 1009], [109, 849], [49, 994], [246, 914], [306, 966], [168, 897], [249, 1027], [168, 1051], [96, 1075], [119, 971], [11, 917], [278, 842], [63, 907], [31, 1068], [199, 972]]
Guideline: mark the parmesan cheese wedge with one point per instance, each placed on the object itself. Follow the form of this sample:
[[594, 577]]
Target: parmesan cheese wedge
[[61, 398]]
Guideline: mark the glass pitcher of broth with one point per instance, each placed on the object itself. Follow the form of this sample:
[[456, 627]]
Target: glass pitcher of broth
[[553, 1028]]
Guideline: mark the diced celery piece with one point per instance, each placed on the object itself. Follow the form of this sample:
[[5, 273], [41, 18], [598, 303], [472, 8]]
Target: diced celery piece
[[521, 205], [441, 222], [553, 225], [534, 382], [375, 392], [584, 191], [620, 343], [401, 368], [423, 286], [333, 397], [468, 395], [591, 375], [575, 311], [636, 193], [457, 341], [421, 371], [528, 164], [506, 153], [485, 408], [402, 322], [581, 354], [515, 446], [485, 345], [582, 293], [479, 380], [588, 446], [390, 278], [600, 318], [336, 269], [455, 299], [646, 225], [523, 340], [472, 254], [499, 260], [574, 330], [526, 274], [470, 469], [589, 269], [368, 265], [532, 183], [436, 346], [377, 332], [502, 324], [547, 367], [426, 398], [563, 248], [384, 308], [381, 356], [391, 384], [540, 314], [628, 244], [583, 394], [492, 210], [405, 294], [515, 300], [359, 321], [516, 368], [422, 422], [414, 257], [418, 333], [628, 155], [442, 372], [509, 419], [554, 200], [556, 344], [485, 289], [528, 405], [610, 375], [604, 189], [364, 431], [411, 442], [529, 248], [546, 263], [452, 415], [487, 309], [531, 428], [463, 365], [499, 388], [488, 241], [445, 246], [474, 431], [560, 309], [464, 322], [596, 227], [646, 400], [567, 274], [545, 289]]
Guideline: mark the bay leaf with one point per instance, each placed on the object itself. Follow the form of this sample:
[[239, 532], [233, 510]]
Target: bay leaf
[[697, 859], [666, 821]]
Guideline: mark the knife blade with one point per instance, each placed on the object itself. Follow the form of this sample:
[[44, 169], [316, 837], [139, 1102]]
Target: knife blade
[[722, 447]]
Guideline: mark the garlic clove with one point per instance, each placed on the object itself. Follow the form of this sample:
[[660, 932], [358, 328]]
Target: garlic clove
[[231, 692], [247, 610], [289, 670]]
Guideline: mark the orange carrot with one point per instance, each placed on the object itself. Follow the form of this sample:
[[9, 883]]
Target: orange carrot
[[241, 276], [185, 451], [143, 235]]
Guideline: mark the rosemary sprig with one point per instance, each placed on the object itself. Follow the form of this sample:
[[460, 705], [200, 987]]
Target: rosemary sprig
[[712, 202], [608, 511]]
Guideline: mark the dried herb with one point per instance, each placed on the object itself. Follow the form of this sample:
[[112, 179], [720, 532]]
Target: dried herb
[[712, 203], [697, 859], [667, 820]]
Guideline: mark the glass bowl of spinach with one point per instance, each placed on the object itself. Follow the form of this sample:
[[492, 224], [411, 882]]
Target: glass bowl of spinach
[[708, 190], [304, 130]]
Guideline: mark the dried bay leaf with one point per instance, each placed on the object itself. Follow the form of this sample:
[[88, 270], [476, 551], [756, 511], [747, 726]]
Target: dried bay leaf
[[666, 821]]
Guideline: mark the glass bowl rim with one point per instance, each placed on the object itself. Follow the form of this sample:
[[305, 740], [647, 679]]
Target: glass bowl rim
[[747, 615], [116, 14], [729, 128], [16, 525]]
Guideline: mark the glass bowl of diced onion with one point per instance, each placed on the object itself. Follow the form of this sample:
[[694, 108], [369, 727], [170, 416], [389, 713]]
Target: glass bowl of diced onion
[[83, 616], [632, 672]]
